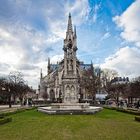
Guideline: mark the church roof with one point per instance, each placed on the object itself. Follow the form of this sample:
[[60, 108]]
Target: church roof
[[85, 66], [54, 66], [82, 66]]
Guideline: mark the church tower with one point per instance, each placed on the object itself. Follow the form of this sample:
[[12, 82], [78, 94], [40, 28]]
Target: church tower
[[70, 78]]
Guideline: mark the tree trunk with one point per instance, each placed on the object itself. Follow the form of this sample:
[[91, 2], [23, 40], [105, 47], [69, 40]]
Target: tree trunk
[[9, 100], [117, 97], [21, 101]]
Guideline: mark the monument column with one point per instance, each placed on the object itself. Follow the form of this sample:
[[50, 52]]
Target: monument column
[[70, 81]]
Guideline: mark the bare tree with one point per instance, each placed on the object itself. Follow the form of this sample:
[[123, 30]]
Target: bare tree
[[6, 90], [89, 82], [16, 79], [132, 90], [14, 86], [3, 97], [106, 76], [19, 86]]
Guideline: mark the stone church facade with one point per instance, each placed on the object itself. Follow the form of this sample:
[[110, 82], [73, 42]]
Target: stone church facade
[[63, 80]]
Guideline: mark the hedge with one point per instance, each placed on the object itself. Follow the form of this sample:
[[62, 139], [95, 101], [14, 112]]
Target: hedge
[[137, 118], [1, 117], [5, 120], [128, 111], [111, 108], [124, 110]]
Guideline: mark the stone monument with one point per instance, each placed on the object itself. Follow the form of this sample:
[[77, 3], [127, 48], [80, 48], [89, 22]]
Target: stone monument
[[70, 77]]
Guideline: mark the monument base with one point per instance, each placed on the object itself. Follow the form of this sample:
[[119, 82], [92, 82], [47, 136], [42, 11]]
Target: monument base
[[66, 108]]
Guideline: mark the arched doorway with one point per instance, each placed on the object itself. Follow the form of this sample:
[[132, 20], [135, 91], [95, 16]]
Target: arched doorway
[[67, 96], [72, 92]]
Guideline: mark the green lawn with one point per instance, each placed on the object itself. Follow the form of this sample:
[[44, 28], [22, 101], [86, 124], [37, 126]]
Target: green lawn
[[106, 125]]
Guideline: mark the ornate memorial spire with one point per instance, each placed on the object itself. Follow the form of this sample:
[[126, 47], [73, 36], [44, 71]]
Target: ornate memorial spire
[[69, 27], [69, 33]]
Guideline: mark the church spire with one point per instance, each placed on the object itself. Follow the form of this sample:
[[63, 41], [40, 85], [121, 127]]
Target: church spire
[[49, 67], [41, 75], [92, 69], [75, 31]]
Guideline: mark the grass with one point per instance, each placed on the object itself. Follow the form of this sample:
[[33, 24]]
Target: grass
[[105, 125]]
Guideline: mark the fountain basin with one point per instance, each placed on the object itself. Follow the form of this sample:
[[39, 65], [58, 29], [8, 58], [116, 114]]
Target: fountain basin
[[65, 108]]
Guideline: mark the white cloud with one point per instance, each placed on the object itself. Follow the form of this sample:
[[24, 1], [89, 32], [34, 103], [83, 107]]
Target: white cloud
[[10, 55], [56, 58], [10, 52], [105, 36], [57, 30], [95, 12], [4, 35], [129, 21], [80, 8], [20, 49], [57, 24], [52, 39], [125, 61]]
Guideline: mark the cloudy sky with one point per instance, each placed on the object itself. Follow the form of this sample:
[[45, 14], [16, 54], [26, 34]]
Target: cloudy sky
[[32, 30]]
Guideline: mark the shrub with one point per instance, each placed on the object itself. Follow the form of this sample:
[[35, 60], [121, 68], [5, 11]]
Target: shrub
[[137, 118], [128, 111], [112, 108], [10, 113], [134, 112], [15, 112], [1, 116], [5, 120]]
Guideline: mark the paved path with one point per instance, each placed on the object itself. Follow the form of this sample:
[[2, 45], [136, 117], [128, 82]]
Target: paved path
[[5, 108]]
